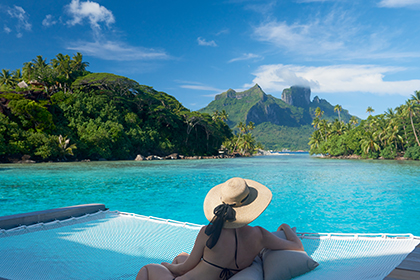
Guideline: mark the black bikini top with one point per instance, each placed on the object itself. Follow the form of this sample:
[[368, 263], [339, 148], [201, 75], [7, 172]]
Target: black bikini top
[[226, 273]]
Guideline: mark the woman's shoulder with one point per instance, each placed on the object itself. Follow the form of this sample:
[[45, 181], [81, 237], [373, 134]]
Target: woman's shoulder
[[253, 230]]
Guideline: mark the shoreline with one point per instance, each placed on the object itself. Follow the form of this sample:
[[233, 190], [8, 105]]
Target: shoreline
[[360, 157], [139, 157], [176, 156]]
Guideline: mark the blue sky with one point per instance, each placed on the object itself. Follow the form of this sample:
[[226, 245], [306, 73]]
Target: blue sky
[[356, 53]]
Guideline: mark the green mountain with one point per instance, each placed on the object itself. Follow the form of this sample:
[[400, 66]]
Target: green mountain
[[279, 123]]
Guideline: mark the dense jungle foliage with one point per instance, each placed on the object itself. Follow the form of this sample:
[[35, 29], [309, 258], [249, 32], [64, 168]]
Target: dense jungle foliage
[[60, 111], [392, 134]]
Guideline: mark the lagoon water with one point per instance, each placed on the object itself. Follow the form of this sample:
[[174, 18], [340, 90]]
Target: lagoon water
[[313, 194]]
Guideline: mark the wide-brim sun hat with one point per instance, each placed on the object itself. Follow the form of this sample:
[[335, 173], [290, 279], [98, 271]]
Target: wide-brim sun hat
[[247, 197]]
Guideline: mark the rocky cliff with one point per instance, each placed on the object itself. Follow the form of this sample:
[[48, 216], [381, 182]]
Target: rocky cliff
[[297, 96]]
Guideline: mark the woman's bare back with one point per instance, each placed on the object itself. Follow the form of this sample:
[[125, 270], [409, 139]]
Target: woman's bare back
[[250, 241], [244, 247]]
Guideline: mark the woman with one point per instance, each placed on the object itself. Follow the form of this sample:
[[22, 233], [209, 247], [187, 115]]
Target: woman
[[227, 245]]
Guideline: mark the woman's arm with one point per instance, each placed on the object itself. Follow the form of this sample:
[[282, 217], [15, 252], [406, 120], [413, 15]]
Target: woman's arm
[[193, 259], [270, 241]]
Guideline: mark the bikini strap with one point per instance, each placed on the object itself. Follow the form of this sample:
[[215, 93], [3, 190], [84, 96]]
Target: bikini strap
[[226, 273]]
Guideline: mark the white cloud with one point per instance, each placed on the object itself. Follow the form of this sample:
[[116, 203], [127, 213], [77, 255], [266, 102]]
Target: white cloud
[[23, 19], [109, 50], [203, 42], [262, 7], [334, 79], [312, 38], [339, 35], [246, 56], [92, 11], [398, 3], [48, 21], [202, 87], [197, 86], [7, 29], [223, 31], [101, 47]]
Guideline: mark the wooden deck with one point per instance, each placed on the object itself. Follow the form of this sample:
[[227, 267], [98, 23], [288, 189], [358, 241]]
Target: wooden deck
[[409, 268]]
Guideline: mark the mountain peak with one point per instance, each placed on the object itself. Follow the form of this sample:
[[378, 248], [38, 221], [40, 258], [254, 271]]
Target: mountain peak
[[256, 90], [297, 96]]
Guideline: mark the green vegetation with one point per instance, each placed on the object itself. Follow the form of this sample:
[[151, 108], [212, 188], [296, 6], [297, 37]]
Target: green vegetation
[[62, 111], [243, 142], [389, 135], [283, 137], [278, 125]]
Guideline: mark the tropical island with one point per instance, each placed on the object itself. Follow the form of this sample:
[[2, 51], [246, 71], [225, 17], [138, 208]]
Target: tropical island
[[59, 111]]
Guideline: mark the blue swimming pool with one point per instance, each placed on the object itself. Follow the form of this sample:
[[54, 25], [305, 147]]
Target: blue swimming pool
[[313, 194]]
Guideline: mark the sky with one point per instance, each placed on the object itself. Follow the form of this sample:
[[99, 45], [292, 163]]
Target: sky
[[355, 53]]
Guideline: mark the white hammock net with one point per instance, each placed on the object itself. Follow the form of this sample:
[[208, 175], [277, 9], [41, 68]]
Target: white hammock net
[[115, 245]]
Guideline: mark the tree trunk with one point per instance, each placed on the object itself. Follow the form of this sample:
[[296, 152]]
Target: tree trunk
[[414, 129]]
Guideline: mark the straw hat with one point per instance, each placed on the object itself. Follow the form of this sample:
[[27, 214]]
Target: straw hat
[[247, 197]]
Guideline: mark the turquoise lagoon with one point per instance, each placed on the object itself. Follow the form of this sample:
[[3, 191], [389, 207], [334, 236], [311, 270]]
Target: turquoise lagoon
[[313, 194]]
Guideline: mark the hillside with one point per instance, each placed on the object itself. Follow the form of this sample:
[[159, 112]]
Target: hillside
[[279, 123], [82, 115]]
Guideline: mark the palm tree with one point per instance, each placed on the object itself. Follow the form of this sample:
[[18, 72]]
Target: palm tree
[[315, 122], [42, 72], [368, 142], [223, 115], [337, 127], [77, 64], [28, 68], [400, 114], [410, 110], [242, 127], [318, 112], [6, 78], [370, 110], [390, 113], [39, 62], [62, 65], [247, 144], [391, 134], [315, 140], [64, 147], [338, 108], [416, 96], [354, 120], [324, 126], [17, 75], [250, 127], [215, 115], [242, 130]]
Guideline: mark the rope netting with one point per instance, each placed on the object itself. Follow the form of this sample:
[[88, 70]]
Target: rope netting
[[115, 245], [350, 257]]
